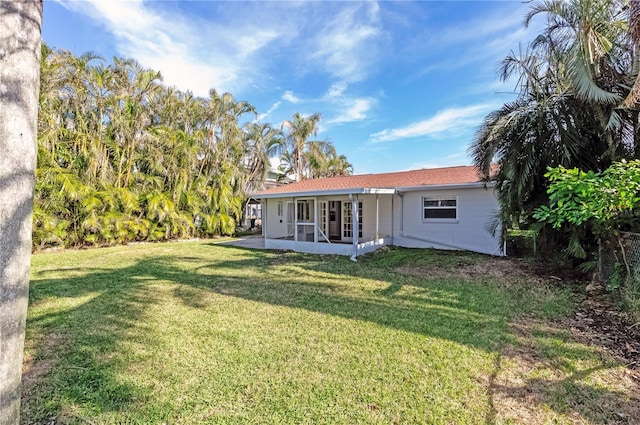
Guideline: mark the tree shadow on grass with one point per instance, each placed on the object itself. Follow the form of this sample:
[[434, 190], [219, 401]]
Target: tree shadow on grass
[[447, 311], [72, 345], [547, 374], [109, 306]]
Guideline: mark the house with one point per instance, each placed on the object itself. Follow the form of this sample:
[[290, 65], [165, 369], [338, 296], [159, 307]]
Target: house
[[252, 215], [445, 208]]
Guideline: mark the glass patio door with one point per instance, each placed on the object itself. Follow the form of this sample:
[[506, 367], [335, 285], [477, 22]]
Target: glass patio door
[[323, 221]]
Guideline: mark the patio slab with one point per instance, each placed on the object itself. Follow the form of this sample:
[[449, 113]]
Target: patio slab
[[254, 242]]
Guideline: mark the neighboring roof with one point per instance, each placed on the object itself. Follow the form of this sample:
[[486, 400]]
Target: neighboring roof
[[449, 176]]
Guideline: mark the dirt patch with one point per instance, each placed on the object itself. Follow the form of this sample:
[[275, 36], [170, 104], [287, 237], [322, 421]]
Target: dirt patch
[[600, 323], [534, 385], [507, 270], [33, 371], [581, 369], [39, 364]]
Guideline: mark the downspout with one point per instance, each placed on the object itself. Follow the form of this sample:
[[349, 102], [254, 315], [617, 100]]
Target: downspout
[[315, 220], [354, 226], [264, 218], [377, 217], [393, 213], [401, 195], [295, 220]]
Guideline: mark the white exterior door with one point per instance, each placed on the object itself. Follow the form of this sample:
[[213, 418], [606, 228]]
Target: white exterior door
[[347, 221]]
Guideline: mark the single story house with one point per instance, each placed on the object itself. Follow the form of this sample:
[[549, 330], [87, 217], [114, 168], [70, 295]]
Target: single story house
[[445, 208], [252, 215]]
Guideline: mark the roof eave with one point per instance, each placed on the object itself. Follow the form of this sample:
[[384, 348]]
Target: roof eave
[[445, 186], [372, 190], [327, 192]]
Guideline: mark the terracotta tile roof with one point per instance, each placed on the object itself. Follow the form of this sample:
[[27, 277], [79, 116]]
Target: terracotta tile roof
[[424, 177]]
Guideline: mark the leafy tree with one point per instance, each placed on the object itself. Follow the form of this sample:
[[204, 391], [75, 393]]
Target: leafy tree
[[323, 161], [601, 203]]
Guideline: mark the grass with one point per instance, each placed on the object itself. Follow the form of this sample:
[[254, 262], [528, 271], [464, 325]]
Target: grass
[[196, 332]]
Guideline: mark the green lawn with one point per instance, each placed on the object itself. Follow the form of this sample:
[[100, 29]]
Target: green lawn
[[197, 332]]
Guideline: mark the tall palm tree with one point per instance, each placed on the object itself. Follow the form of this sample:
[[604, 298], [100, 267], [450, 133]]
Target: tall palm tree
[[633, 98], [340, 166], [590, 40], [572, 80], [298, 132], [262, 142]]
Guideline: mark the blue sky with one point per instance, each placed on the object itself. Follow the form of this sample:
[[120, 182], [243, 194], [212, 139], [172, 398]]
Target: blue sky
[[400, 85]]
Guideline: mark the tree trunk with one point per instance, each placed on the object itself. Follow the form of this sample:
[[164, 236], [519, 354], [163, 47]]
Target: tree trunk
[[19, 83]]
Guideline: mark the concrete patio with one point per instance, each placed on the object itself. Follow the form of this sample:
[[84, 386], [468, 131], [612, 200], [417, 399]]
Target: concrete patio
[[253, 241]]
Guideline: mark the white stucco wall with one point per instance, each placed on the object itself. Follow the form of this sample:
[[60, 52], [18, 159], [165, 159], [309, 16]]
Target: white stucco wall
[[369, 216], [274, 226], [476, 209]]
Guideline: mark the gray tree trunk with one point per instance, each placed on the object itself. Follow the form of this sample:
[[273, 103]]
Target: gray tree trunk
[[20, 32]]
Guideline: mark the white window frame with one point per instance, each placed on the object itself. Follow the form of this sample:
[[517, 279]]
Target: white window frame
[[304, 211], [424, 208], [280, 209]]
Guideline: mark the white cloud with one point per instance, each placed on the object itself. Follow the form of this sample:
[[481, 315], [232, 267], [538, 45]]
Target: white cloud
[[189, 51], [337, 89], [347, 45], [459, 158], [485, 27], [352, 110], [233, 46], [480, 42], [270, 111], [447, 120], [344, 106], [290, 97]]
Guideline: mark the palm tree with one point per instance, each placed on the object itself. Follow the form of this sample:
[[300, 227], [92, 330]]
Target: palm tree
[[340, 166], [323, 161], [633, 97], [136, 86], [299, 130], [262, 142], [590, 42], [122, 157], [572, 80]]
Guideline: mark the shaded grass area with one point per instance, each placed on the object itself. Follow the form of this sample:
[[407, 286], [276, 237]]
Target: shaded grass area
[[203, 333]]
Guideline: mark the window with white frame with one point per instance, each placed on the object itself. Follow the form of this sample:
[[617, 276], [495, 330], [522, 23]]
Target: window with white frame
[[439, 208], [280, 209], [305, 213]]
